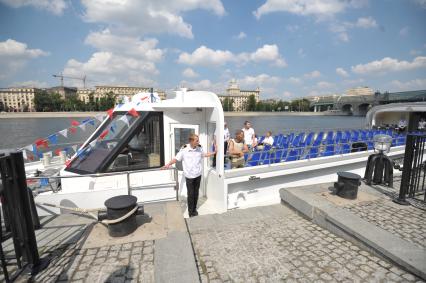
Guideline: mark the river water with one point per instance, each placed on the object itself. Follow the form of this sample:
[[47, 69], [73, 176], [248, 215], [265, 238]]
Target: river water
[[19, 132]]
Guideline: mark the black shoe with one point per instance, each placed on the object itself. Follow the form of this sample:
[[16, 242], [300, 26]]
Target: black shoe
[[195, 213]]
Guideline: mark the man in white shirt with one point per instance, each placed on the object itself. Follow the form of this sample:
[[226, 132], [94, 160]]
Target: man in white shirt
[[268, 139], [248, 134], [191, 155]]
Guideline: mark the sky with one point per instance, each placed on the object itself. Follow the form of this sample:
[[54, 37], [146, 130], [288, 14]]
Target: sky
[[288, 48]]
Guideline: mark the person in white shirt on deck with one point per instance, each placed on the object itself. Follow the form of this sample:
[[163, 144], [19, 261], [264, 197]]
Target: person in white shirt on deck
[[191, 155], [268, 139], [249, 134]]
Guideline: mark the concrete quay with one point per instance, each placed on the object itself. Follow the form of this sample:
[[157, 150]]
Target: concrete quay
[[372, 221]]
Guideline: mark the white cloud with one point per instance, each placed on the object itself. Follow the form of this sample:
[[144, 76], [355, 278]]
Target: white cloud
[[56, 7], [415, 84], [151, 16], [14, 55], [34, 83], [204, 56], [389, 65], [404, 31], [341, 72], [301, 53], [421, 3], [366, 23], [125, 45], [294, 80], [318, 8], [324, 85], [287, 94], [189, 73], [119, 59], [259, 80], [241, 35], [313, 75]]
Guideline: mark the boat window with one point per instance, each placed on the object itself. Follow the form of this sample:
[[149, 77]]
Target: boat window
[[105, 142], [143, 150]]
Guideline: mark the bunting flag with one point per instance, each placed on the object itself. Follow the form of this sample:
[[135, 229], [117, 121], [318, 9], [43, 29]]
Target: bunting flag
[[64, 133], [125, 120], [73, 130], [53, 139], [110, 112], [30, 157], [41, 143], [74, 147], [100, 117], [44, 182], [113, 127], [85, 121], [58, 151], [29, 147], [103, 134], [91, 122], [83, 127], [35, 151], [74, 123], [93, 143], [120, 105], [133, 112], [24, 154]]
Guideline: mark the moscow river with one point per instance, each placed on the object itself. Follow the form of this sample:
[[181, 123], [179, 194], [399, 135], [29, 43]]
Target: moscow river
[[19, 132]]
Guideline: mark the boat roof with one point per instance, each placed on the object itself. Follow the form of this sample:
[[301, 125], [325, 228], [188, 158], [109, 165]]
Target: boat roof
[[394, 107]]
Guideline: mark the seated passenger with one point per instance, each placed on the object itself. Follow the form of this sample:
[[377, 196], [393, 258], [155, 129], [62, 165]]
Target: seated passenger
[[422, 124], [236, 149], [268, 140]]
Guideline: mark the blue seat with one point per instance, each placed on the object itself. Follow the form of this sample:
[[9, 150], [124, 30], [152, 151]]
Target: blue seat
[[254, 159], [328, 151], [343, 148], [329, 138], [313, 153], [339, 137], [363, 135], [355, 136], [370, 145], [298, 140], [318, 139], [308, 140], [294, 154]]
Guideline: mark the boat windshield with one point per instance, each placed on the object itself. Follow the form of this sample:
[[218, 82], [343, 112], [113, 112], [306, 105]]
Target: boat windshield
[[104, 146]]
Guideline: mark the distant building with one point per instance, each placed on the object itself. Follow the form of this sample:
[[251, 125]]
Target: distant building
[[119, 91], [18, 99], [362, 90], [64, 92], [239, 97]]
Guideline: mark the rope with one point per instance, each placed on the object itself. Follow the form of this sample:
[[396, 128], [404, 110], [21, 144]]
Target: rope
[[89, 211], [114, 221]]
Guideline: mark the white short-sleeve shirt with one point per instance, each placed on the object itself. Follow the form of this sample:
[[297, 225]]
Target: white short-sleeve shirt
[[248, 136], [268, 140], [192, 160]]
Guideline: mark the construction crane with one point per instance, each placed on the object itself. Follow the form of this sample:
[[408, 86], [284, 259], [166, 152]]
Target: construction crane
[[61, 76]]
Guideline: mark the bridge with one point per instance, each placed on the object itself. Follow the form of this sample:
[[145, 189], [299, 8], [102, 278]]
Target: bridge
[[358, 105]]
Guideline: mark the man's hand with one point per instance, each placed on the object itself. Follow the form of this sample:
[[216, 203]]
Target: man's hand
[[167, 166]]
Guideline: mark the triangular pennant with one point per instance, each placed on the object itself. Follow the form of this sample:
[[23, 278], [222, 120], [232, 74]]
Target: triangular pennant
[[31, 157], [35, 150], [73, 130], [29, 147], [53, 139], [103, 134], [93, 143], [125, 120], [110, 112], [58, 151], [133, 112], [24, 154], [74, 123], [83, 127], [40, 155], [85, 121], [120, 105], [99, 117], [39, 142], [64, 133], [91, 122], [74, 147]]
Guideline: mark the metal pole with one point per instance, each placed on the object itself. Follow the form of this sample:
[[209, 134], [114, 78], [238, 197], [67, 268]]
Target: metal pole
[[406, 172], [129, 190]]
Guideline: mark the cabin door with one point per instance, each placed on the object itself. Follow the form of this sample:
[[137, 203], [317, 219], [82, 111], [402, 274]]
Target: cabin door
[[179, 137]]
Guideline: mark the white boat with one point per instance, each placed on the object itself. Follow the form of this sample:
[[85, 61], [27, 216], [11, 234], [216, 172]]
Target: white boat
[[125, 153]]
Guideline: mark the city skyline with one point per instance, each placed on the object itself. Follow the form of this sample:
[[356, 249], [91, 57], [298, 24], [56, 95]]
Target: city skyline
[[289, 49]]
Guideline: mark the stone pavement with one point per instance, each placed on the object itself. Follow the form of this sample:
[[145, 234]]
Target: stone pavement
[[275, 244], [406, 222]]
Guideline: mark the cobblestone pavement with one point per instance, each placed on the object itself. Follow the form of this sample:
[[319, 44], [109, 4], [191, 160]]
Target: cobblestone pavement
[[282, 247], [131, 262], [406, 222]]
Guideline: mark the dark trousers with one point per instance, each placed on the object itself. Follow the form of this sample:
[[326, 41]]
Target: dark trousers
[[193, 187]]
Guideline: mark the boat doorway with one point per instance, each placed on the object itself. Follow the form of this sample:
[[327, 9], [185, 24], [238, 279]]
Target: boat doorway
[[179, 134]]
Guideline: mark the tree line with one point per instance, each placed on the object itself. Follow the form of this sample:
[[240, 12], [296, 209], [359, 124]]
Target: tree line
[[51, 102], [298, 105]]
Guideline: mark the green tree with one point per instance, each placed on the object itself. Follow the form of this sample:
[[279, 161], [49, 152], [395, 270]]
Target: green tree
[[47, 102], [2, 108], [251, 103], [107, 102], [228, 104]]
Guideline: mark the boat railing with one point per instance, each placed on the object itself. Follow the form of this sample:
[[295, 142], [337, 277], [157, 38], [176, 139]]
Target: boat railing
[[35, 183], [288, 152]]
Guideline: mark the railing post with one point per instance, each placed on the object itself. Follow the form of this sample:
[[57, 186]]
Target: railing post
[[406, 171], [129, 190]]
